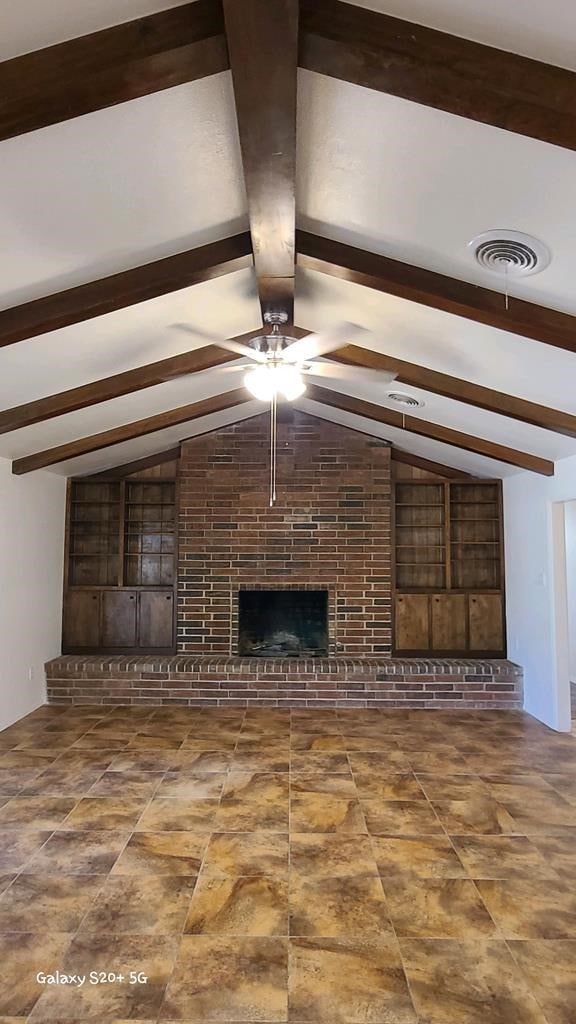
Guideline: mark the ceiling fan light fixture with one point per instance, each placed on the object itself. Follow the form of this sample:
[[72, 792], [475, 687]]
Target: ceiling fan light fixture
[[267, 381]]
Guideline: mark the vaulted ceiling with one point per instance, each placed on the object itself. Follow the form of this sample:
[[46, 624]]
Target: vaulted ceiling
[[405, 167]]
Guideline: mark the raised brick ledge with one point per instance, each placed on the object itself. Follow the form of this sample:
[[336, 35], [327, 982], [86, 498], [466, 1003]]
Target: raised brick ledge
[[385, 668], [214, 680]]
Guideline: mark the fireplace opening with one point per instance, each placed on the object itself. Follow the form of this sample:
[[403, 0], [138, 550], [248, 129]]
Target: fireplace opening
[[283, 623]]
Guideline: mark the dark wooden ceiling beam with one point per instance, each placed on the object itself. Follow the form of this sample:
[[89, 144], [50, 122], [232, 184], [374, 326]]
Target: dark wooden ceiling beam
[[112, 66], [458, 389], [475, 81], [428, 288], [85, 301], [409, 459], [130, 431], [198, 360], [433, 431], [128, 468], [263, 47]]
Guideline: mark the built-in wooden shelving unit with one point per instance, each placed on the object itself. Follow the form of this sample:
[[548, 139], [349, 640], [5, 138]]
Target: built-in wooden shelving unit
[[119, 592], [448, 567]]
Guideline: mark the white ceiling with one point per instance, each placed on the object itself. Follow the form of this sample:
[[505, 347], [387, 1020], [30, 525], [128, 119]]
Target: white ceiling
[[418, 184], [127, 185], [32, 24], [130, 337], [544, 31], [450, 344], [118, 188]]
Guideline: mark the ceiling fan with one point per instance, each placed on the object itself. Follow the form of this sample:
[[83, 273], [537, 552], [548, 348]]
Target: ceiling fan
[[283, 361], [279, 364]]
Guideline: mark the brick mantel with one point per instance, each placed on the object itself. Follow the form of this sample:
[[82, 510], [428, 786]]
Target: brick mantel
[[330, 528]]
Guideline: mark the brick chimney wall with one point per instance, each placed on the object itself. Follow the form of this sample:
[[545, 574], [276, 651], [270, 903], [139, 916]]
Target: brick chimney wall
[[330, 528]]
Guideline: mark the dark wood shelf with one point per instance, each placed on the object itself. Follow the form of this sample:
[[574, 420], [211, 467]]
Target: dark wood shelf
[[105, 556], [434, 561], [162, 588], [421, 547], [476, 519], [473, 543]]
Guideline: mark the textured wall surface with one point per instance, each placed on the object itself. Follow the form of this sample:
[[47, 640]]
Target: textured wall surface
[[330, 528]]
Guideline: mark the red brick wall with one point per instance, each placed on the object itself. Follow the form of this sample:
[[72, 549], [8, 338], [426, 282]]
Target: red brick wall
[[329, 528]]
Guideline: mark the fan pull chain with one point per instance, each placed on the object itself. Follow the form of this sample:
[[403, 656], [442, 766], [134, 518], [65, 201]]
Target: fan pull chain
[[506, 301], [273, 447]]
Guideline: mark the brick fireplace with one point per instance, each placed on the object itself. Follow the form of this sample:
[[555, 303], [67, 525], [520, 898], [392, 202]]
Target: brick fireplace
[[329, 533], [329, 529]]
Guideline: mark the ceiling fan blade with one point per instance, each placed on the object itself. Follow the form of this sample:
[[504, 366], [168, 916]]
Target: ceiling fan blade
[[233, 368], [229, 344], [338, 371], [242, 350], [230, 368], [314, 345]]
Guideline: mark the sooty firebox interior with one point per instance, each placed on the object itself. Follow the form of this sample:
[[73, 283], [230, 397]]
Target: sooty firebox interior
[[283, 623]]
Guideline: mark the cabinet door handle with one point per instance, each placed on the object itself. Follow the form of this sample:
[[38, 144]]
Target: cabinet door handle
[[168, 597], [131, 597], [94, 597]]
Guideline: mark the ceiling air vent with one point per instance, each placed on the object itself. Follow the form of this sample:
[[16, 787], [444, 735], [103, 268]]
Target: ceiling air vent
[[400, 398], [510, 252]]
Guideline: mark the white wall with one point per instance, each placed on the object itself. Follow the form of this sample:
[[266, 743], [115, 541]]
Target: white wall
[[32, 511], [570, 525], [536, 588]]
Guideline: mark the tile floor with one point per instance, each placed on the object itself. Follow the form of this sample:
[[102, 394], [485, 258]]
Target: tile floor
[[363, 867]]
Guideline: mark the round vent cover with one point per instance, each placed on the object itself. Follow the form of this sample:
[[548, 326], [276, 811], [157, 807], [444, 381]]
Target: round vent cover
[[403, 399], [510, 252]]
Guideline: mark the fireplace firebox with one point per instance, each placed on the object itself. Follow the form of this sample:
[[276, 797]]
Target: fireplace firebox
[[283, 623]]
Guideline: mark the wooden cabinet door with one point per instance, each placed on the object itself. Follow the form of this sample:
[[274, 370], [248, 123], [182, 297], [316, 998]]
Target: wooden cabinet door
[[81, 627], [486, 622], [119, 618], [156, 619], [449, 622], [411, 622]]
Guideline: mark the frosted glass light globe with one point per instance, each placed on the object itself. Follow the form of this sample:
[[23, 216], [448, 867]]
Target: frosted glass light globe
[[264, 382]]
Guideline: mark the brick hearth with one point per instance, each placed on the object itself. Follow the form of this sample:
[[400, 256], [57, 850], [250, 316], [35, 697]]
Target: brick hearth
[[245, 682]]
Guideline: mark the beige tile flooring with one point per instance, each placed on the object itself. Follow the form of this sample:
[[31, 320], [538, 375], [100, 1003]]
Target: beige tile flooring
[[362, 867]]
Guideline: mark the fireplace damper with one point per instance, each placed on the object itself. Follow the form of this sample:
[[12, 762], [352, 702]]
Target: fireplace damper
[[283, 623]]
